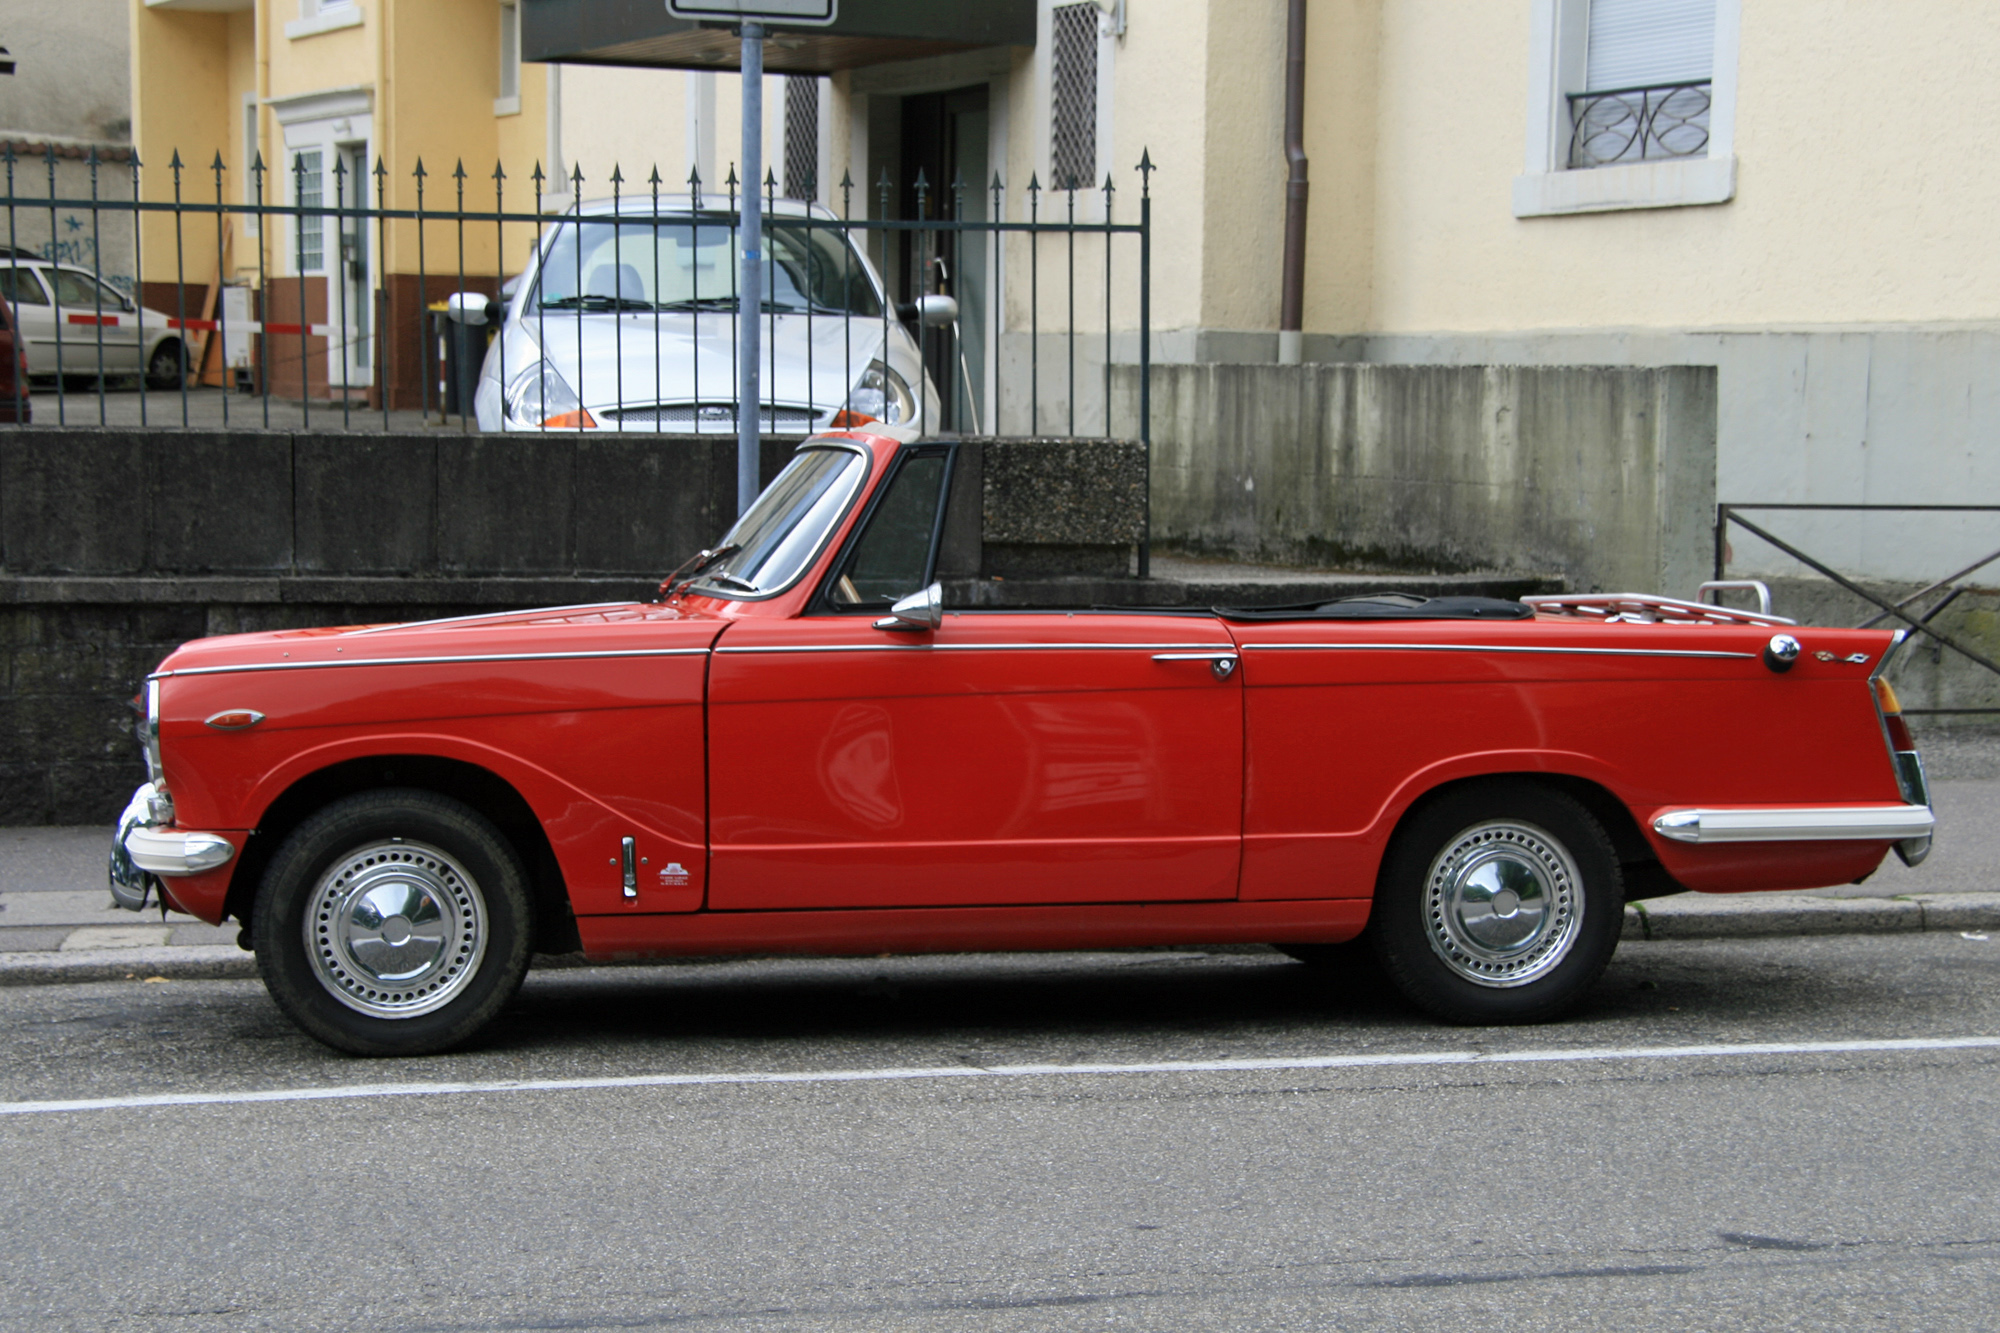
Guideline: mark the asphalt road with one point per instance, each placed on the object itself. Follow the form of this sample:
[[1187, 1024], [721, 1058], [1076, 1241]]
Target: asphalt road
[[1621, 1180]]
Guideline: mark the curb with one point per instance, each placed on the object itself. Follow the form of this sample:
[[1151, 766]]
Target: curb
[[1683, 916], [1710, 916], [171, 962]]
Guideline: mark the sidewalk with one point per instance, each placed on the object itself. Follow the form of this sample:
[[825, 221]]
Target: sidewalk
[[57, 922]]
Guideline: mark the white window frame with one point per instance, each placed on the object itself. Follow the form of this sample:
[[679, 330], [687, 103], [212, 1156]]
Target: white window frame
[[318, 16], [508, 103], [1547, 188], [252, 129], [1089, 194]]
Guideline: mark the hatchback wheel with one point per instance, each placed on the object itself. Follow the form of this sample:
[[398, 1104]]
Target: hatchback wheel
[[1499, 903], [393, 923]]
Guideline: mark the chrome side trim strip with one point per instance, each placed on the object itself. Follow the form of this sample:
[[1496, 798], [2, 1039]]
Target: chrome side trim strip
[[969, 647], [1496, 648], [429, 661], [1811, 823], [483, 615]]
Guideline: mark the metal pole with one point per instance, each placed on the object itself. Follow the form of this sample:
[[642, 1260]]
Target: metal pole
[[750, 284]]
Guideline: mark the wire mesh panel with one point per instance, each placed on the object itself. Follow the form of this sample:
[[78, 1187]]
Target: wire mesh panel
[[1073, 115], [801, 137]]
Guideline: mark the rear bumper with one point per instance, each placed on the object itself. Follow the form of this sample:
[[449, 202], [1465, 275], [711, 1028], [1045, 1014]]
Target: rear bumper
[[1811, 823]]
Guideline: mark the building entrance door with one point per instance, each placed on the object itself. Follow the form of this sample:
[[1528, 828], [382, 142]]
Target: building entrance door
[[355, 290], [944, 136]]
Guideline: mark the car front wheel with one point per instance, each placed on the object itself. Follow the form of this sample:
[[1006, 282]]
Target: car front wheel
[[393, 923], [1500, 902]]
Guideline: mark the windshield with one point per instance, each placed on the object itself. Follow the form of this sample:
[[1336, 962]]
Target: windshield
[[789, 523], [684, 263]]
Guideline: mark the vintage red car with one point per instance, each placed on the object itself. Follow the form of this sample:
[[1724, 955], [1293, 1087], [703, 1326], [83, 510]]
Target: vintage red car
[[798, 749]]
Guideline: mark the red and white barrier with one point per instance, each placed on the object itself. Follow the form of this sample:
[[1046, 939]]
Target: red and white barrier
[[205, 325]]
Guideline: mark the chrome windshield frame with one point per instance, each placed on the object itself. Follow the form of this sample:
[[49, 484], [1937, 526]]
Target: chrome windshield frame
[[820, 543]]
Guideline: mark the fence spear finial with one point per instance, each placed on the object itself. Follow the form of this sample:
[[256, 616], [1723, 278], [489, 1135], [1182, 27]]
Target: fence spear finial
[[1145, 170]]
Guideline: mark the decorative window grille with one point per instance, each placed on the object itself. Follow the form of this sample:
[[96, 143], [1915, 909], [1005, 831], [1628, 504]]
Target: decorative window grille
[[312, 235], [1649, 65], [1073, 116], [801, 137]]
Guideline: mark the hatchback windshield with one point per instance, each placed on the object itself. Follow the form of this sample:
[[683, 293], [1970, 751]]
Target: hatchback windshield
[[782, 532], [681, 263]]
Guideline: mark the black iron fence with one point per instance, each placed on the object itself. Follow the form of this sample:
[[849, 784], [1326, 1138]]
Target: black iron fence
[[331, 294], [1917, 611]]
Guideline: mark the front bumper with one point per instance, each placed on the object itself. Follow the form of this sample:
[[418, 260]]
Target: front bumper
[[143, 849]]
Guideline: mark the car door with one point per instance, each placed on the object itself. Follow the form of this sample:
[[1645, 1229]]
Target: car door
[[89, 309], [1003, 758]]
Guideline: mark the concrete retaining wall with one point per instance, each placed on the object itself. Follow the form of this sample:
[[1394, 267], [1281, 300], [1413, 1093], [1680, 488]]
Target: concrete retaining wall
[[1605, 475], [116, 546]]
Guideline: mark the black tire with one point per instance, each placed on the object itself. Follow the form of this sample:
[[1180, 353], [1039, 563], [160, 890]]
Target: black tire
[[451, 951], [1452, 939], [166, 368]]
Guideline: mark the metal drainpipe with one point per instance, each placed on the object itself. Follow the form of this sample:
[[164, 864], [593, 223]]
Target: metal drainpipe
[[1291, 313]]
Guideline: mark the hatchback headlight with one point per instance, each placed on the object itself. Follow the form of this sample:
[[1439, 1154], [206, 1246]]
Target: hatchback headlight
[[882, 394], [538, 395]]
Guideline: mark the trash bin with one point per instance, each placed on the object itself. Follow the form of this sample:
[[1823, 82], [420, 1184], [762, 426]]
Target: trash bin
[[461, 329]]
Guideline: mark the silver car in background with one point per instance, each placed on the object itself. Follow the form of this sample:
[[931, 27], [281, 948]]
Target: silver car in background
[[627, 320]]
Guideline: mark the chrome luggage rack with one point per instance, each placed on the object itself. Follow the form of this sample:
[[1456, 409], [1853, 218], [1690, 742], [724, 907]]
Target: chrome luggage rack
[[1639, 608]]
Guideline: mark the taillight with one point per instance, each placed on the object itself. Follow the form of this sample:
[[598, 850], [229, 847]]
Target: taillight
[[1892, 715]]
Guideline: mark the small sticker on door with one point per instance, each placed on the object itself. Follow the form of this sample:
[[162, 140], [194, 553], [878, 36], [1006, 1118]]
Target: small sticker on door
[[673, 875]]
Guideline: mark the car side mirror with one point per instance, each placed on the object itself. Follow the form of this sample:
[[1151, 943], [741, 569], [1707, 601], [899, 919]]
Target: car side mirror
[[919, 611], [934, 312], [472, 308]]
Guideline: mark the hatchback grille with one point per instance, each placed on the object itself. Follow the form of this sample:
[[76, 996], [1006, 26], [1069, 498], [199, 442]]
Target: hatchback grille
[[711, 416]]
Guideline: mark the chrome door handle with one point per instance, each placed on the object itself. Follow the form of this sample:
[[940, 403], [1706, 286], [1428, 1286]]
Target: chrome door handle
[[1222, 664]]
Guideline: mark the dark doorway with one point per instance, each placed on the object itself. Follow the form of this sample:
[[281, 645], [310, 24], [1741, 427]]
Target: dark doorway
[[944, 139]]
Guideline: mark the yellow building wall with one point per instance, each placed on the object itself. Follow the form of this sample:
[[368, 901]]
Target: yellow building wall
[[1862, 129], [179, 61]]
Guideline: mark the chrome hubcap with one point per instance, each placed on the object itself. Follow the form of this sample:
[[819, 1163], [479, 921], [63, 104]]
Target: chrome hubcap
[[395, 929], [1503, 903]]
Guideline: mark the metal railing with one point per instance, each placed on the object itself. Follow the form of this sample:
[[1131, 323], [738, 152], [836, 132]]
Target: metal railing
[[341, 317], [1920, 619], [1666, 120]]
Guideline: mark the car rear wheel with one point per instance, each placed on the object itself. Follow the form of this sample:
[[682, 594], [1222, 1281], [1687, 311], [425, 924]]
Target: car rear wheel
[[393, 923], [167, 367], [1500, 902]]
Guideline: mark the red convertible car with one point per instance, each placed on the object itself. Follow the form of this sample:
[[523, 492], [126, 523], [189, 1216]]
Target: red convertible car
[[799, 749]]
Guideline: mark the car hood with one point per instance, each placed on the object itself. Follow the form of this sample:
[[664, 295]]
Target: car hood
[[607, 628], [628, 359]]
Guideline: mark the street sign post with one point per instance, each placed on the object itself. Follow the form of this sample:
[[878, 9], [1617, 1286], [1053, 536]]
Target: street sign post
[[754, 16]]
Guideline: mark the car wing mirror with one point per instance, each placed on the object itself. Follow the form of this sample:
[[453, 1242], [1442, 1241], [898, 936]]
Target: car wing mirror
[[919, 611], [472, 308], [934, 312]]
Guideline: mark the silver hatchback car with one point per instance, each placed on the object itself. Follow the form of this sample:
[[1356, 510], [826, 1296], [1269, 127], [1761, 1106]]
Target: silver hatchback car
[[626, 320]]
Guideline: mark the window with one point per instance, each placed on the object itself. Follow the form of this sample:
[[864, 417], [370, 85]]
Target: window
[[80, 291], [1647, 82], [508, 103], [318, 16], [1073, 109], [677, 265], [801, 138], [308, 183], [1631, 105], [21, 287], [893, 557]]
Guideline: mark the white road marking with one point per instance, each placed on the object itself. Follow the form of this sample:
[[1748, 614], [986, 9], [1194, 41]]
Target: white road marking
[[353, 1091]]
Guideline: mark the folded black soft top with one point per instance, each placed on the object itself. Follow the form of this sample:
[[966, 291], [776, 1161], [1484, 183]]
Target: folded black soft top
[[1386, 606]]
